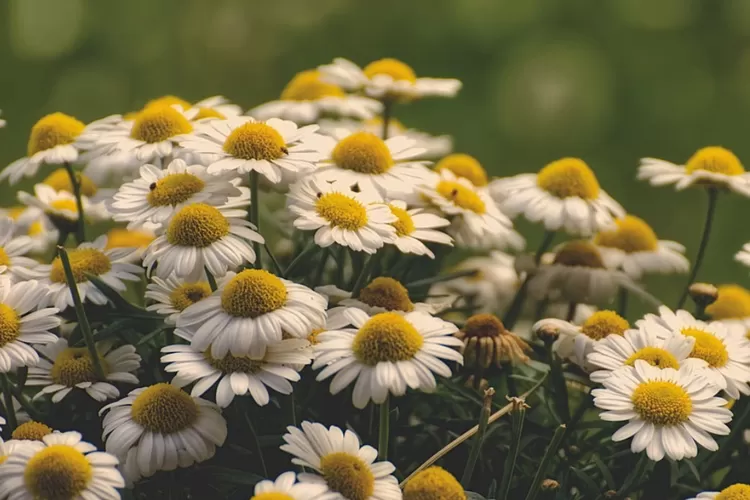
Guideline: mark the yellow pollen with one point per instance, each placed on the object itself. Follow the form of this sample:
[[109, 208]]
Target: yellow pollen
[[65, 204], [188, 294], [603, 323], [734, 492], [465, 166], [168, 100], [234, 364], [82, 261], [57, 472], [198, 225], [75, 366], [53, 130], [4, 258], [158, 123], [732, 302], [35, 229], [662, 403], [386, 293], [654, 356], [59, 180], [31, 431], [271, 495], [461, 196], [715, 159], [568, 177], [579, 253], [633, 234], [164, 408], [252, 293], [10, 325], [393, 124], [484, 325], [173, 189], [307, 86], [313, 336], [15, 212], [391, 67], [434, 483], [386, 337], [707, 347], [348, 475], [405, 224], [341, 211], [364, 153], [208, 113], [127, 238], [255, 141]]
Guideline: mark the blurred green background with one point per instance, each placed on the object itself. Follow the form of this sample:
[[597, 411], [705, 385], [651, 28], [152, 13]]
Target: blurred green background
[[609, 81]]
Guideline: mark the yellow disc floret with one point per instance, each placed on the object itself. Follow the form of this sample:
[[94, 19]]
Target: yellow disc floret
[[164, 408], [633, 234], [208, 113], [733, 302], [461, 196], [603, 323], [579, 253], [465, 166], [31, 431], [386, 337], [10, 325], [56, 129], [159, 123], [128, 238], [391, 67], [57, 472], [255, 141], [75, 366], [59, 180], [168, 100], [307, 86], [234, 364], [341, 211], [83, 261], [434, 483], [404, 224], [348, 475], [715, 159], [252, 293], [173, 189], [569, 177], [708, 347], [655, 356], [734, 492], [188, 294], [271, 495], [198, 225], [65, 204], [386, 293], [364, 153], [662, 403]]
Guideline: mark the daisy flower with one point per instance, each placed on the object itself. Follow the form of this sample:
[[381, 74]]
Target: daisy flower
[[633, 247], [62, 369], [285, 486], [743, 256], [139, 239], [7, 448], [736, 491], [51, 142], [434, 482], [62, 465], [387, 79], [485, 341], [306, 97], [31, 431], [731, 307], [334, 455], [216, 106], [31, 222], [337, 214], [238, 375], [173, 295], [712, 166], [387, 352], [59, 180], [565, 194], [668, 411], [466, 166], [13, 248], [248, 312], [161, 427], [414, 226], [60, 206]]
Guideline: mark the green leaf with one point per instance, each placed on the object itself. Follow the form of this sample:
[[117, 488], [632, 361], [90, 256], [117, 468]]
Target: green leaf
[[606, 474], [587, 484], [119, 301], [472, 495], [233, 476]]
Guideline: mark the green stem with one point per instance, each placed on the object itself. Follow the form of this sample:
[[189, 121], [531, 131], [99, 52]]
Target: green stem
[[544, 465], [8, 394], [384, 429], [256, 441], [211, 280], [62, 237], [387, 112], [364, 277], [476, 446], [644, 463], [557, 383], [321, 267], [622, 302], [26, 404], [83, 321], [81, 223], [713, 195], [277, 267], [254, 218], [442, 278], [299, 259], [517, 416]]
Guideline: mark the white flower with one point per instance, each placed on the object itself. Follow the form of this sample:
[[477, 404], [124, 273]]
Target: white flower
[[214, 107], [285, 487], [173, 295], [387, 79], [238, 375], [734, 492], [743, 255], [63, 368], [333, 454], [565, 194], [13, 248], [712, 166], [387, 352], [61, 207], [668, 411], [31, 222], [7, 448], [413, 226], [161, 427], [337, 214], [248, 312], [62, 465]]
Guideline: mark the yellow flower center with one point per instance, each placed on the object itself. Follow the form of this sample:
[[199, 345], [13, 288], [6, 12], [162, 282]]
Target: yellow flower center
[[391, 67], [465, 166], [53, 130], [579, 253], [198, 225], [168, 100], [386, 337], [404, 224], [733, 302], [348, 475], [158, 123], [15, 212], [75, 366], [484, 325], [662, 403], [603, 323], [462, 196], [715, 159], [307, 86], [35, 229], [386, 293], [394, 124], [83, 261], [57, 472], [4, 259], [65, 204], [342, 211], [164, 408], [271, 495], [363, 152], [734, 492], [127, 238], [568, 177], [234, 364], [255, 141], [10, 325], [208, 113], [434, 483], [188, 294], [173, 189], [252, 293], [632, 235], [313, 336], [707, 347], [31, 431], [654, 356], [59, 180]]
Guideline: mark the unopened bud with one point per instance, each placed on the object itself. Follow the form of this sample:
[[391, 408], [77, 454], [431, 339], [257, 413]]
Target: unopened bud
[[546, 331], [703, 294], [574, 450], [550, 485]]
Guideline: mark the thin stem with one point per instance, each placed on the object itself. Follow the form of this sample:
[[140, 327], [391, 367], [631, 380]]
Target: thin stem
[[256, 441], [81, 223], [299, 259], [363, 278], [277, 267], [517, 416], [441, 278], [62, 237], [634, 478], [713, 195], [476, 447], [254, 218], [571, 312], [321, 267], [557, 382], [542, 470], [384, 429], [387, 112], [8, 394], [622, 302], [26, 404], [83, 321], [211, 280]]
